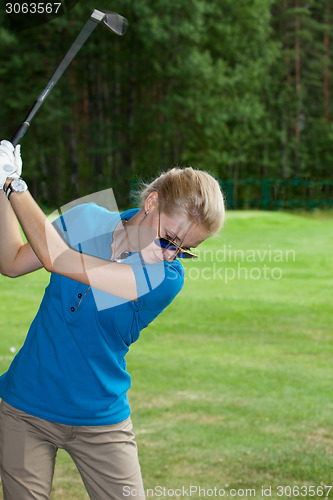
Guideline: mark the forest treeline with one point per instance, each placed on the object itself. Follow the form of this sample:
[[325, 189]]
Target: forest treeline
[[242, 89]]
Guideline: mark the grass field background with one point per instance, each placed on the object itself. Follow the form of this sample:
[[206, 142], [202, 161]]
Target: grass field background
[[232, 386]]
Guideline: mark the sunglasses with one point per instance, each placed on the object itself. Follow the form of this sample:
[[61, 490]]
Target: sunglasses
[[167, 244]]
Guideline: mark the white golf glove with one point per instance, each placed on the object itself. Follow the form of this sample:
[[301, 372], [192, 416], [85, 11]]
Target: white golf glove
[[10, 162]]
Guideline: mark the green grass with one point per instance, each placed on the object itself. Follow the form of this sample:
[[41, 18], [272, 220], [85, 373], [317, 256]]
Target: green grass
[[232, 386]]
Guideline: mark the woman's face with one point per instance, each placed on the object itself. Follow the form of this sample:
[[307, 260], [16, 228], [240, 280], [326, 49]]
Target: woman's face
[[173, 227]]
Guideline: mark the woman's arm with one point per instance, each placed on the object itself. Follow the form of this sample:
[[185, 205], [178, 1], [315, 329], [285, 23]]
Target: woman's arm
[[57, 257], [16, 258]]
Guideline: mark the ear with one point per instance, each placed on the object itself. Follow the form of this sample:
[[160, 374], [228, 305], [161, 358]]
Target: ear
[[151, 201]]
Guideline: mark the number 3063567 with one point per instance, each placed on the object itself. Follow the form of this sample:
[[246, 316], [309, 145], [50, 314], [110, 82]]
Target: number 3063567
[[32, 8], [295, 491]]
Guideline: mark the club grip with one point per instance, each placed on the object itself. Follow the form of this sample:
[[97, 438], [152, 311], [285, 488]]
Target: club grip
[[19, 133]]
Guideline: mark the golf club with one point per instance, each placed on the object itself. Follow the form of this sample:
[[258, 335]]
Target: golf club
[[116, 23]]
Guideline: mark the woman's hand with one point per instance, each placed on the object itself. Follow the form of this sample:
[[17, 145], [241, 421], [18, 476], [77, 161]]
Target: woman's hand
[[10, 162]]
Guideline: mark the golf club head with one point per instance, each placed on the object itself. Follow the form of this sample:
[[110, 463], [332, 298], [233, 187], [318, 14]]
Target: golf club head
[[116, 23]]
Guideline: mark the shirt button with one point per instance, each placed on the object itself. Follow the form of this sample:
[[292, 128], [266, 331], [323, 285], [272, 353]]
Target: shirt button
[[72, 309], [80, 295]]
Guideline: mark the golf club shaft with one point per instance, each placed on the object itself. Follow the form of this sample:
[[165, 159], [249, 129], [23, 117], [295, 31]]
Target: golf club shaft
[[86, 31]]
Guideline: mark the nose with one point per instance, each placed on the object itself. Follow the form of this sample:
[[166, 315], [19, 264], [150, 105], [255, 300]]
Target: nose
[[169, 255]]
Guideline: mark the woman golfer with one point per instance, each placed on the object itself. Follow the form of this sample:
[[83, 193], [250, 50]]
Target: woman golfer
[[111, 275]]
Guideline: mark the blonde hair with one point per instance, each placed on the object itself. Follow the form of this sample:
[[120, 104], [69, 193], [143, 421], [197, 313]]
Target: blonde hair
[[194, 193]]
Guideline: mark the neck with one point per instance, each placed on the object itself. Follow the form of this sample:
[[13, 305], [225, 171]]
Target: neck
[[126, 235], [135, 220]]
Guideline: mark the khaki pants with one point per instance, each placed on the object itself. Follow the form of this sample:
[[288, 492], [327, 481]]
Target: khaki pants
[[106, 457]]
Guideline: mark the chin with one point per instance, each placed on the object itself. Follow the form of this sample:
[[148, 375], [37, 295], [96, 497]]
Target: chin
[[151, 257]]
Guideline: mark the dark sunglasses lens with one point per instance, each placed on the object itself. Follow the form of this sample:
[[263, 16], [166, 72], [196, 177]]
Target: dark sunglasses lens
[[166, 245], [183, 255]]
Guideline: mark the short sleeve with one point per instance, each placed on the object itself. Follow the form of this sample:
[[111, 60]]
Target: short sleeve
[[152, 303], [79, 229]]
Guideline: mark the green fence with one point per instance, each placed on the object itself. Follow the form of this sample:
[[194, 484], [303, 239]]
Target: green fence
[[278, 194], [270, 194]]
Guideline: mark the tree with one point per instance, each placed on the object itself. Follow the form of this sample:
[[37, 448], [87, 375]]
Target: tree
[[241, 89]]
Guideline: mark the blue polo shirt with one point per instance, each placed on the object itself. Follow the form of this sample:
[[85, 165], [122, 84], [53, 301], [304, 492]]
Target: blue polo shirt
[[71, 368]]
